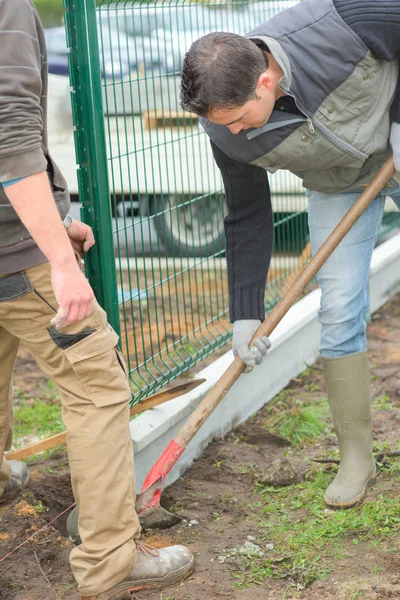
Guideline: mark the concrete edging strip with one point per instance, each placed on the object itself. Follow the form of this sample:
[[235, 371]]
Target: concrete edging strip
[[294, 345]]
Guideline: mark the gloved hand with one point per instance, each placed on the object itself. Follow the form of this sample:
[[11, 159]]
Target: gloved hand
[[395, 143], [243, 331]]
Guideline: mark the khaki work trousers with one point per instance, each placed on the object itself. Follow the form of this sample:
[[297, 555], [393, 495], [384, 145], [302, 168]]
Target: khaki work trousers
[[87, 368]]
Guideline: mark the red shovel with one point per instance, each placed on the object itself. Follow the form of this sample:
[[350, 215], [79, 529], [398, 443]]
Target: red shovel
[[148, 501]]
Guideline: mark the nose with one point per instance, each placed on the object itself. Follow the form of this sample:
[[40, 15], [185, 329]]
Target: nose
[[235, 127]]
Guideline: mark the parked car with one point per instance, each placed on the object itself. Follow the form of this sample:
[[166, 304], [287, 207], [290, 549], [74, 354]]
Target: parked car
[[57, 56], [173, 28], [138, 22], [120, 55]]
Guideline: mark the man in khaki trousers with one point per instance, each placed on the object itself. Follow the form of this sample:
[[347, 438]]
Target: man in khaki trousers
[[47, 303]]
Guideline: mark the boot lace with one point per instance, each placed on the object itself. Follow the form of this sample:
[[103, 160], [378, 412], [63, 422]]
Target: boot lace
[[146, 548]]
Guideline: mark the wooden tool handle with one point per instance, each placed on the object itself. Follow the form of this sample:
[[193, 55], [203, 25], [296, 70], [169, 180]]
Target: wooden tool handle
[[223, 385], [292, 276], [151, 402]]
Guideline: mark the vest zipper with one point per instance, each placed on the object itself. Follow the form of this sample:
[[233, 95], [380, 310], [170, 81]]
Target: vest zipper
[[270, 126], [312, 123], [337, 141]]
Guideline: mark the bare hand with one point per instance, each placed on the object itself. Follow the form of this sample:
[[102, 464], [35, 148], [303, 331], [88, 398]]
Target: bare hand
[[73, 293], [81, 237]]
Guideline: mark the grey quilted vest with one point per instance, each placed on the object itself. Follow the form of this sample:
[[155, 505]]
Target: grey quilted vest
[[343, 92]]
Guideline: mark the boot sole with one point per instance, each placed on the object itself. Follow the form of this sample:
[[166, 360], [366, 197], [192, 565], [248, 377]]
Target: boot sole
[[355, 501], [120, 590]]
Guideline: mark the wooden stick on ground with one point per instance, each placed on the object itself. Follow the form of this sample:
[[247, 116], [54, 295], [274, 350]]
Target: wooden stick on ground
[[336, 461], [151, 402]]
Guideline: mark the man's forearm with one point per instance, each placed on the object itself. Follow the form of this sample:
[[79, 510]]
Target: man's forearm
[[33, 201], [249, 235]]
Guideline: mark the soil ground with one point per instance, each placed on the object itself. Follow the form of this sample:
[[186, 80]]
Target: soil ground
[[251, 506]]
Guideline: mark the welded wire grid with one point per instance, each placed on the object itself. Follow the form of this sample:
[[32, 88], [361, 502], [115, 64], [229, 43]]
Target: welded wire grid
[[166, 191]]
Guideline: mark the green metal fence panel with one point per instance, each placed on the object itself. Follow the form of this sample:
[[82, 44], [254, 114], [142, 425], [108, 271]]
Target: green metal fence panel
[[147, 174], [88, 120]]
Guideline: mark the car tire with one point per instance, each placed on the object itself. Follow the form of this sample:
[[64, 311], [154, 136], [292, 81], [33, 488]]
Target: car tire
[[190, 227]]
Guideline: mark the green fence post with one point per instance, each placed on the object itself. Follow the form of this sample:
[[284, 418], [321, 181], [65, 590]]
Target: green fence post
[[90, 148]]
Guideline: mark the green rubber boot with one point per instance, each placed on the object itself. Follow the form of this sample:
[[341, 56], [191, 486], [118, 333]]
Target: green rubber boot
[[347, 382]]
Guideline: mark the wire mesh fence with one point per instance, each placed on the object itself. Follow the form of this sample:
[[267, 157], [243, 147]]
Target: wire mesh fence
[[167, 203]]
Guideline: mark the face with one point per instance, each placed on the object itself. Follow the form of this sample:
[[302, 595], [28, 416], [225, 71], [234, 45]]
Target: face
[[253, 114]]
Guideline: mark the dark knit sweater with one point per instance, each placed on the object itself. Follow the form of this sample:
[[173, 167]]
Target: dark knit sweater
[[249, 224]]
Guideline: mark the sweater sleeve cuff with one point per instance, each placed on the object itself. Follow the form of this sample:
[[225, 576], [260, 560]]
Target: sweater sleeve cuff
[[17, 166], [247, 303]]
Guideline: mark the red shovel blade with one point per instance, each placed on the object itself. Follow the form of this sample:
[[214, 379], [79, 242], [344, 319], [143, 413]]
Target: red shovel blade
[[163, 466]]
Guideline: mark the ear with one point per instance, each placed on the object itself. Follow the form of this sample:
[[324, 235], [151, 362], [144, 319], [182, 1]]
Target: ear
[[265, 81]]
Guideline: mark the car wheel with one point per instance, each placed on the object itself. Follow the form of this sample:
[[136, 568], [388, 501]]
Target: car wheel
[[190, 226]]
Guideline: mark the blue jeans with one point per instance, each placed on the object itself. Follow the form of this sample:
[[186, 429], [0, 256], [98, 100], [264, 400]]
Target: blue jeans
[[344, 277]]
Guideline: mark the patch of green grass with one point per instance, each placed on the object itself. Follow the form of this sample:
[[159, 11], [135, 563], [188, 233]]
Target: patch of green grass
[[37, 417], [227, 501], [28, 496], [40, 507], [50, 390], [383, 402], [353, 591], [299, 424], [312, 386], [45, 455], [307, 537], [393, 468], [384, 446], [298, 575]]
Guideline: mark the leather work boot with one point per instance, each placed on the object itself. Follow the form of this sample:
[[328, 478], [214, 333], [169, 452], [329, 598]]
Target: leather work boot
[[154, 569], [347, 382], [18, 480]]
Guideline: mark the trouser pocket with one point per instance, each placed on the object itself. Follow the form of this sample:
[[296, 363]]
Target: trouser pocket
[[14, 286], [96, 361]]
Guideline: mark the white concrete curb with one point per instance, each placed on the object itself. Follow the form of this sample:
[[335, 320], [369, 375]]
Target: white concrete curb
[[294, 345]]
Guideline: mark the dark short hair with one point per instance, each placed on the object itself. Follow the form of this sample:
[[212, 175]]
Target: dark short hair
[[220, 70]]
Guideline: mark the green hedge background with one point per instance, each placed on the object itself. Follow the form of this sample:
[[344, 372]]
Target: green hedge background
[[50, 11]]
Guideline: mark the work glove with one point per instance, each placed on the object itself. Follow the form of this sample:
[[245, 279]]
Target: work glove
[[395, 143], [243, 331]]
